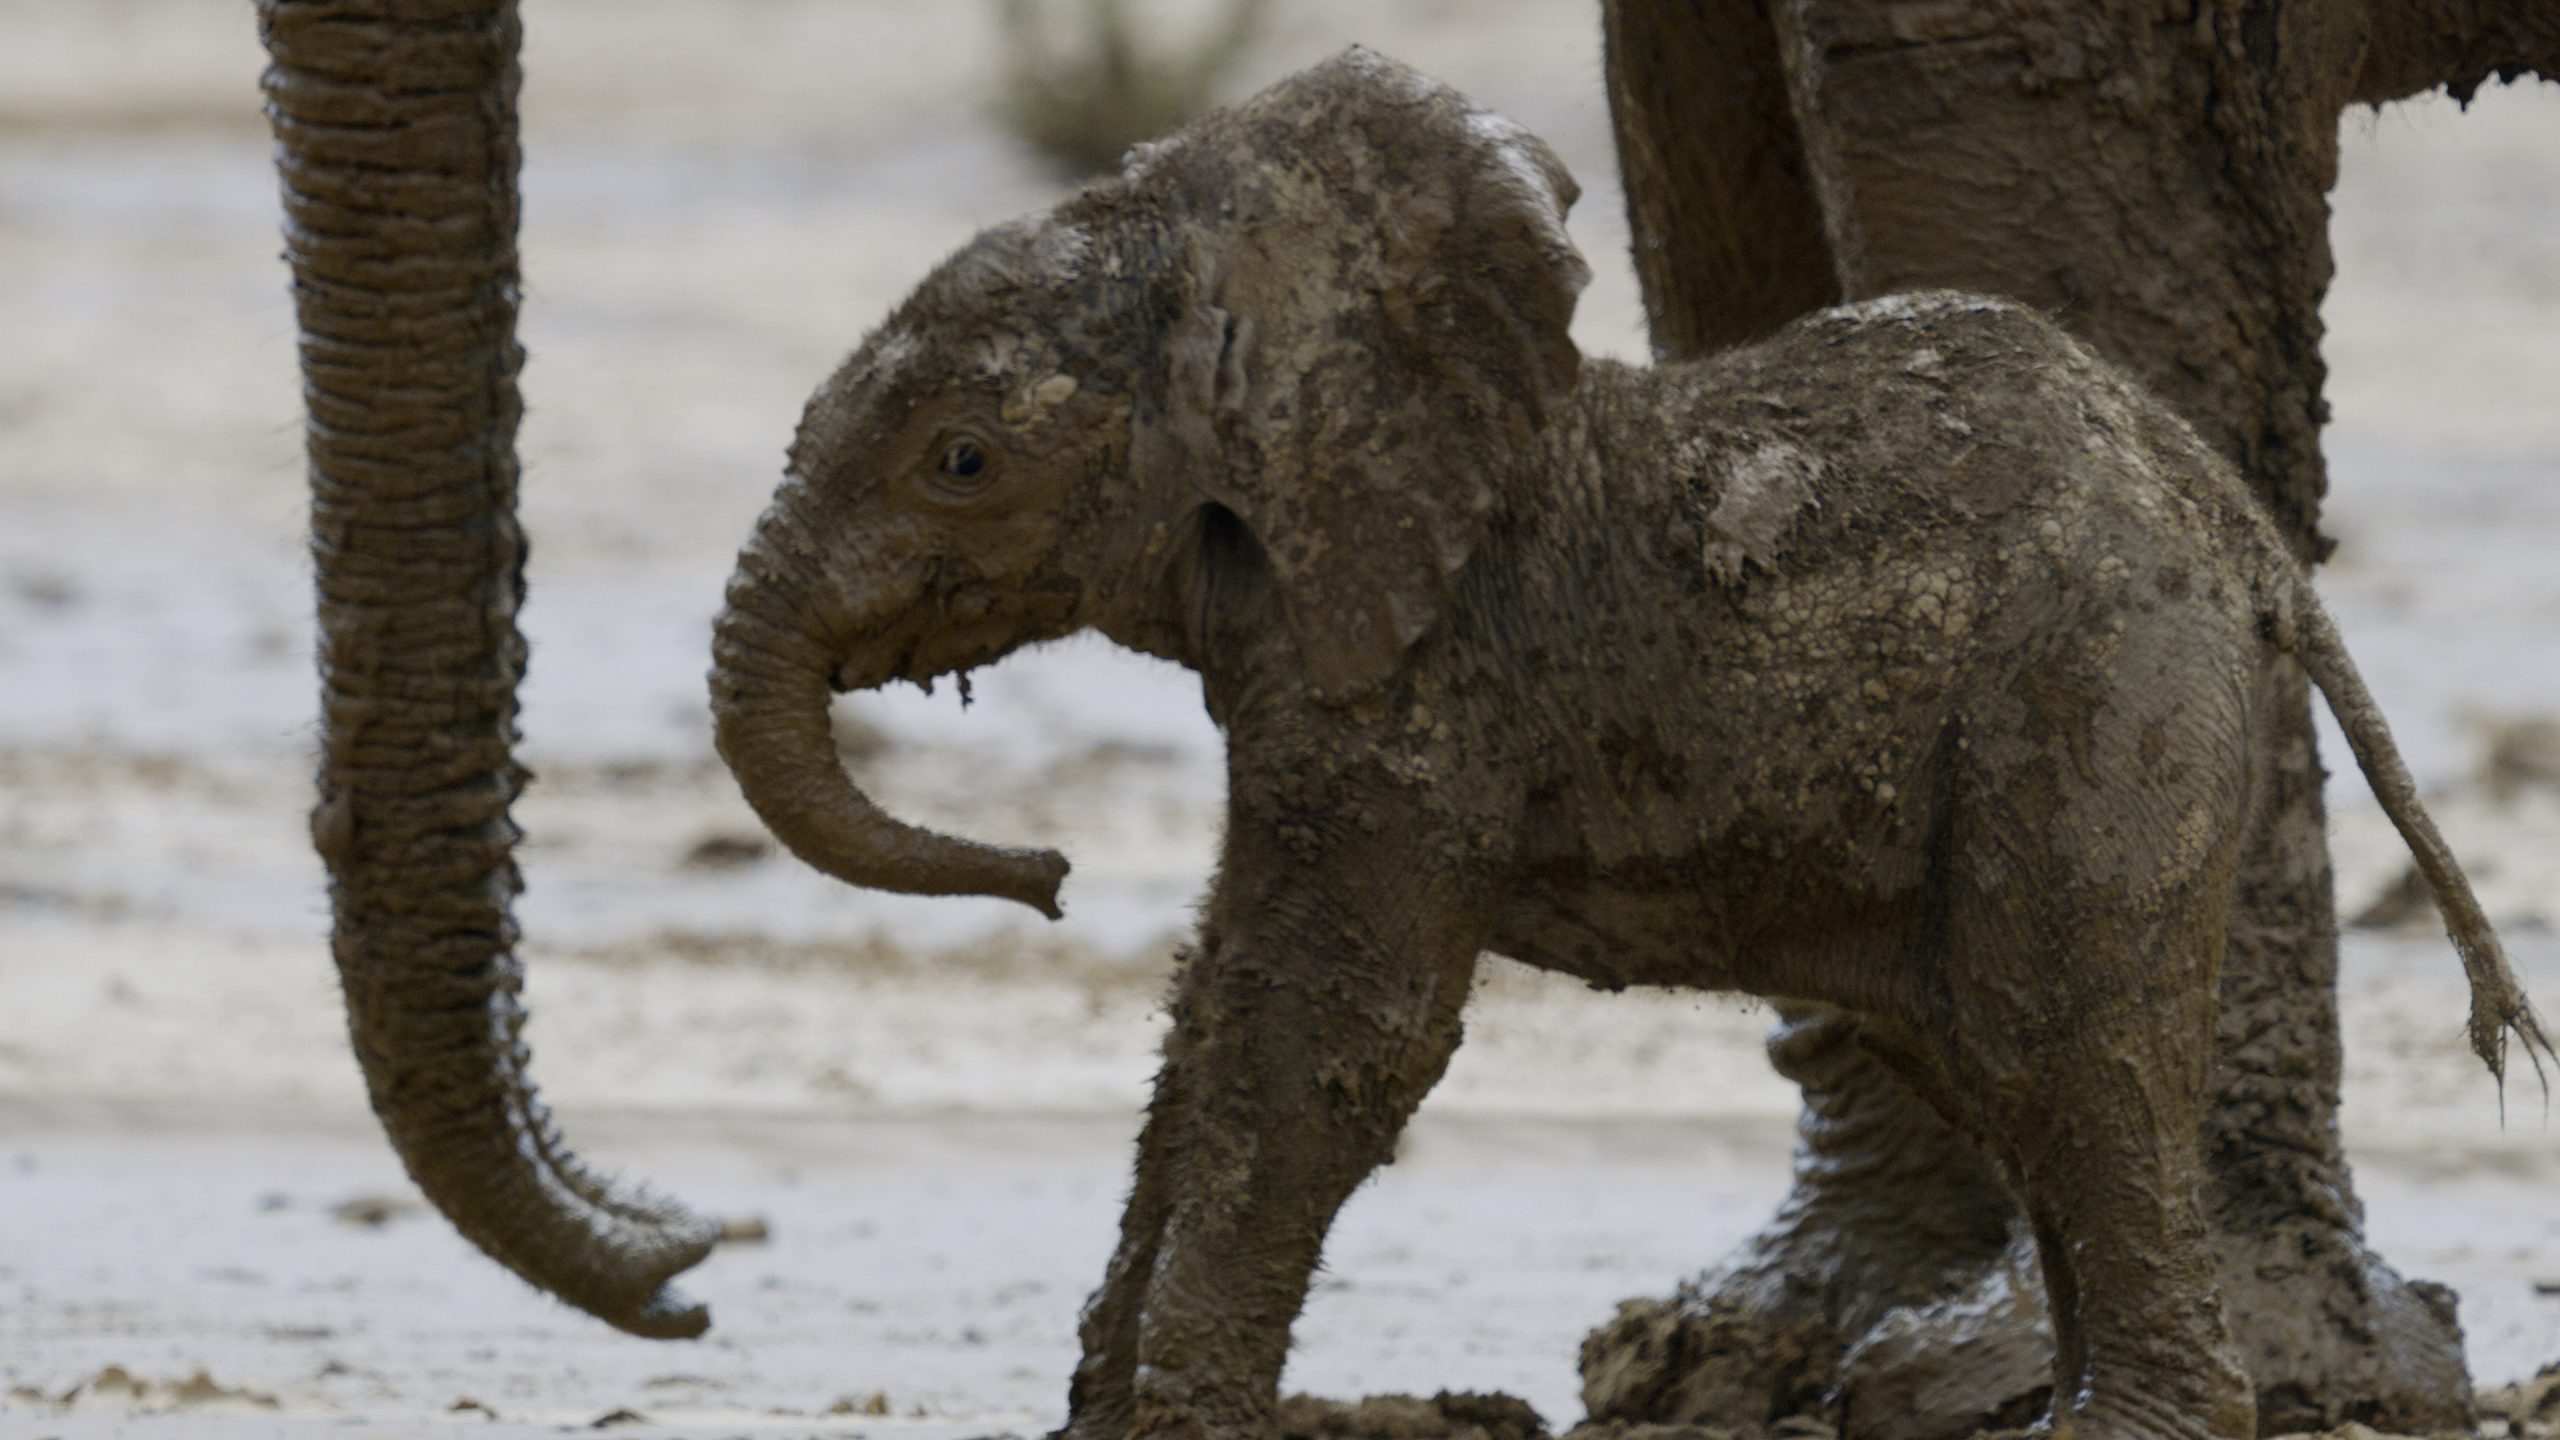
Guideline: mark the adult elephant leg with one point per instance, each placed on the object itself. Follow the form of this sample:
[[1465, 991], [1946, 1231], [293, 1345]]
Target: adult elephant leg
[[1728, 233], [1890, 1208], [2161, 186], [396, 144]]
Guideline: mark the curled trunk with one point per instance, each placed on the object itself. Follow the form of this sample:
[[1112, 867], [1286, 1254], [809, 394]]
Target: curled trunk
[[396, 139], [774, 665]]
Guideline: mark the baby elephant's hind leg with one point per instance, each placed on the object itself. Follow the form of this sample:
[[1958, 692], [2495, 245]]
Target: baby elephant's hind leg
[[2081, 1047]]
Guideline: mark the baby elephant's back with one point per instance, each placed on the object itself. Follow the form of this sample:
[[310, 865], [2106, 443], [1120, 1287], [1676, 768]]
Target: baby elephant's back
[[1965, 445], [2008, 539], [1955, 501]]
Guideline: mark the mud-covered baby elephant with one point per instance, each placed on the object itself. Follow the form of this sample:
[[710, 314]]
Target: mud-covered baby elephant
[[1910, 661]]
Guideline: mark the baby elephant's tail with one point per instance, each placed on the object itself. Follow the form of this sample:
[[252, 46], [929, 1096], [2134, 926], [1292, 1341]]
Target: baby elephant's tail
[[2498, 1003]]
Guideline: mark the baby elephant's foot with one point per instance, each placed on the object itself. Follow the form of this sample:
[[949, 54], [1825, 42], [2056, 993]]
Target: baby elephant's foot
[[2207, 1400], [1156, 1423], [1097, 1424], [1225, 1398]]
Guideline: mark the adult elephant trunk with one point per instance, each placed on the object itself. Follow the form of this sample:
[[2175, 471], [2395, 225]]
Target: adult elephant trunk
[[396, 140], [776, 657]]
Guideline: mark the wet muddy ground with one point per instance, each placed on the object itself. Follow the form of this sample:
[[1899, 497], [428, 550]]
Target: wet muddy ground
[[926, 1105], [923, 1267]]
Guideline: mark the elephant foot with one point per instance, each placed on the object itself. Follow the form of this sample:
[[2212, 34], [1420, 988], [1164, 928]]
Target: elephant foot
[[1761, 1341], [1889, 1297], [2329, 1333], [1688, 1361], [1890, 1208], [1747, 1353], [1980, 1359], [1445, 1416]]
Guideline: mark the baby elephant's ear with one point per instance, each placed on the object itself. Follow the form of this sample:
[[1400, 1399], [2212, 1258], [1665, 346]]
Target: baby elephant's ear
[[1375, 331]]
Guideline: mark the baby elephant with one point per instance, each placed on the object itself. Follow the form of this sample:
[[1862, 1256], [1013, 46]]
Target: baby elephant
[[1911, 661]]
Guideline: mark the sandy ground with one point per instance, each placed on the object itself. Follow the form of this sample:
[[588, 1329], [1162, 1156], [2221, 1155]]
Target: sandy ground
[[928, 1104]]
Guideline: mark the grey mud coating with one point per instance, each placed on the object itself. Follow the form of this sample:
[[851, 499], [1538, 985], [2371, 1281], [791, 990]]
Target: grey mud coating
[[1906, 662]]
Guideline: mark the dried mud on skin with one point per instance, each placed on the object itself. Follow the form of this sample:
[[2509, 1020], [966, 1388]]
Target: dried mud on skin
[[2526, 1411]]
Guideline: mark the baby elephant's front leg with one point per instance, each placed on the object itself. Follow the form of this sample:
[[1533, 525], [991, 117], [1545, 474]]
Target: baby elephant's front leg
[[1306, 1038], [1102, 1399]]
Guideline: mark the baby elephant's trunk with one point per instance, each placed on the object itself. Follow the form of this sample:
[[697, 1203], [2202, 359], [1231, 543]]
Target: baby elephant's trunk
[[770, 679]]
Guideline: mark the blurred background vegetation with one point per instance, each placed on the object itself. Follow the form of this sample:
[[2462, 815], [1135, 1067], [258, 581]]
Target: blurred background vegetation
[[1082, 85]]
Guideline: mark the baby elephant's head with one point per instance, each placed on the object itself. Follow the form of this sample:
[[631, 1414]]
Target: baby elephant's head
[[1308, 330]]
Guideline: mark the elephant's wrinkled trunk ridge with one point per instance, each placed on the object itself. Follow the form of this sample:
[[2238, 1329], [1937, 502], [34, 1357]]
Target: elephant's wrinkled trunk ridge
[[396, 141], [769, 690]]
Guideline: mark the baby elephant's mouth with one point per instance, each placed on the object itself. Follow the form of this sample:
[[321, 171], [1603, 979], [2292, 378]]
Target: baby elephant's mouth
[[973, 629], [918, 661]]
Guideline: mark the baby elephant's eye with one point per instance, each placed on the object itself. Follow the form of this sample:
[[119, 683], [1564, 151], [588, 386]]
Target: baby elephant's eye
[[963, 469]]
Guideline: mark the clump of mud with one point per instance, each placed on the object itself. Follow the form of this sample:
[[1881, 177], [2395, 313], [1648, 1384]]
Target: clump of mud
[[1448, 1416], [1445, 1416], [1664, 1359], [116, 1388], [2531, 1410], [2527, 1411]]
